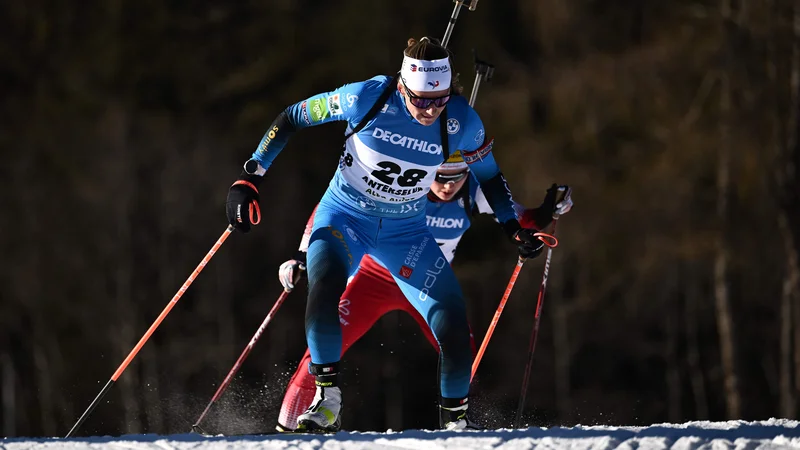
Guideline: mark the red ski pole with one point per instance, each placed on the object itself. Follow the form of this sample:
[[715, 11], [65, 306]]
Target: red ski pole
[[534, 334], [152, 329], [543, 237], [496, 317], [242, 357]]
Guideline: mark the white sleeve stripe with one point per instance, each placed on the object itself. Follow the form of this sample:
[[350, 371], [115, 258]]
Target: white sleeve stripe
[[481, 203]]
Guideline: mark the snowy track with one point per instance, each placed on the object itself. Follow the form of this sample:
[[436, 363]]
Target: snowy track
[[771, 434]]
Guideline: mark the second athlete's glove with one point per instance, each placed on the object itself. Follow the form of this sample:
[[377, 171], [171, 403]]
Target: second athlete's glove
[[242, 203], [529, 246], [290, 272], [561, 193], [557, 201]]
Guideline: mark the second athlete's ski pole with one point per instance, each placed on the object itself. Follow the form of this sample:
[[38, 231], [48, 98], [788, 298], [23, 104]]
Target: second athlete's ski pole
[[242, 357], [543, 237], [534, 334]]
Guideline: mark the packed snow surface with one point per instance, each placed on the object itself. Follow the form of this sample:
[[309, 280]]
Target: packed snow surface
[[770, 434]]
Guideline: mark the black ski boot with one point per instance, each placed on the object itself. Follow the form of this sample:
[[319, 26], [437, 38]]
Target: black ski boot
[[453, 415], [324, 414]]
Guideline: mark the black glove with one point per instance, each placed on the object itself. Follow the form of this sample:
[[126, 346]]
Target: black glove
[[242, 204], [557, 201], [529, 245]]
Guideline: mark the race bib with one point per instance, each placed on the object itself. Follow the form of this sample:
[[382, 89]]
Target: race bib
[[384, 178]]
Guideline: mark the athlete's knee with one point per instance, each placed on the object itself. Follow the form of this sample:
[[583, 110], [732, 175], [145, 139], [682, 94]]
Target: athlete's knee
[[327, 279], [450, 327], [455, 341], [328, 275]]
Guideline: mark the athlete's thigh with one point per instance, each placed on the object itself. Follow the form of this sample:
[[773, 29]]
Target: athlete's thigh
[[422, 272], [340, 233]]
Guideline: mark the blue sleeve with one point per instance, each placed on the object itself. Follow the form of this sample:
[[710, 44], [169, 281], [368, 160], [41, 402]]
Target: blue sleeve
[[477, 153], [349, 103]]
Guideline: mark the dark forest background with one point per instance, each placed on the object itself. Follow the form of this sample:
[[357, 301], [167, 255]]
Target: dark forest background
[[673, 295]]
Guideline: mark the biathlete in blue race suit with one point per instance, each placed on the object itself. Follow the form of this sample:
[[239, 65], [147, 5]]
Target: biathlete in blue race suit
[[375, 205], [454, 199]]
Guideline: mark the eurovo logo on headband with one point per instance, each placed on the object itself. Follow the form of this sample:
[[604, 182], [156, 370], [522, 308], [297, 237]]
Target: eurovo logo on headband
[[442, 69]]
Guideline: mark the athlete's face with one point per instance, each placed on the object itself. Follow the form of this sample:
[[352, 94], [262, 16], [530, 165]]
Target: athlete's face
[[425, 116], [448, 183]]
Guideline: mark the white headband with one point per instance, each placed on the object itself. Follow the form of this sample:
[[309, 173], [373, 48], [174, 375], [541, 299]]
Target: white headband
[[421, 75]]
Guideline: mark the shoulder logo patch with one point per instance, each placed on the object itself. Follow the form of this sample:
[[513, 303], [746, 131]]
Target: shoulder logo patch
[[453, 126], [479, 137]]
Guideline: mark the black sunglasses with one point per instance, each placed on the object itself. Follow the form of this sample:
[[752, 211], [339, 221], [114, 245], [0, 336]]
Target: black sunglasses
[[447, 178], [425, 102]]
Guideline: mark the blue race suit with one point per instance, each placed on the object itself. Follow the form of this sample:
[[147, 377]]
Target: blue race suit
[[375, 204]]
